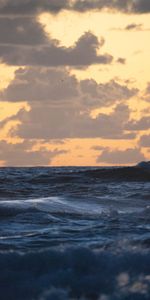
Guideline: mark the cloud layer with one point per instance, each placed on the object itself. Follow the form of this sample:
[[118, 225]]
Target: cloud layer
[[60, 106], [116, 157], [24, 42], [42, 84], [126, 6], [22, 154], [26, 7]]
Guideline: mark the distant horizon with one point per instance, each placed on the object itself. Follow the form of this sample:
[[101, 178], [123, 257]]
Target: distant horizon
[[73, 166]]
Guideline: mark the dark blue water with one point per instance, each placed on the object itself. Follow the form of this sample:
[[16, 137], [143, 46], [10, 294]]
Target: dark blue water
[[74, 233]]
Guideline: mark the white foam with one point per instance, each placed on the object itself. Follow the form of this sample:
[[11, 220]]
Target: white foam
[[69, 206], [54, 204]]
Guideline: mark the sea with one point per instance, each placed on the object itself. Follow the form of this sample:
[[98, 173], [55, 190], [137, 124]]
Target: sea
[[75, 233]]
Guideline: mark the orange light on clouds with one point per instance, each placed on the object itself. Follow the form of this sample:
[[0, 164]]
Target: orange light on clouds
[[132, 45]]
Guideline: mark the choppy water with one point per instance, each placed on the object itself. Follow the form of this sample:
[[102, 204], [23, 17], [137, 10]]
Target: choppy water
[[74, 233]]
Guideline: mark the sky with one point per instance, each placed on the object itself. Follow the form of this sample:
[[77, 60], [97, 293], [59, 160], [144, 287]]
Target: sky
[[74, 82]]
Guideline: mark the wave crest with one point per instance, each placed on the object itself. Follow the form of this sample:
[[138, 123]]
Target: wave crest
[[75, 274]]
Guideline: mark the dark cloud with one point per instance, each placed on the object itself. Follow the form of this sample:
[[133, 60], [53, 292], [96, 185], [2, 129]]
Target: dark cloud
[[142, 124], [23, 41], [21, 154], [55, 85], [121, 60], [126, 6], [38, 84], [147, 91], [22, 31], [82, 53], [132, 27], [145, 141], [31, 7], [104, 94], [146, 97], [84, 5], [60, 105], [131, 155], [141, 6], [48, 122]]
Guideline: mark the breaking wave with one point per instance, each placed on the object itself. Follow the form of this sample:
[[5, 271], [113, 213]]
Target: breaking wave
[[75, 233], [75, 274]]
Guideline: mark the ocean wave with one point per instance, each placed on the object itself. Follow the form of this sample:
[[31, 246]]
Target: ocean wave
[[68, 175], [70, 206], [59, 221], [49, 205], [48, 214], [120, 174], [23, 183], [75, 274]]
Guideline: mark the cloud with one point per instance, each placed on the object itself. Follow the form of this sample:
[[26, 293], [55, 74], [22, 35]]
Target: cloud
[[22, 31], [40, 84], [58, 85], [61, 122], [141, 6], [132, 27], [21, 154], [131, 155], [60, 105], [20, 50], [107, 93], [142, 124], [126, 6], [147, 91], [121, 60], [145, 141], [32, 7]]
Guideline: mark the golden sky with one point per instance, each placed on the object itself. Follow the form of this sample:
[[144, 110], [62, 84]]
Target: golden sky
[[74, 84]]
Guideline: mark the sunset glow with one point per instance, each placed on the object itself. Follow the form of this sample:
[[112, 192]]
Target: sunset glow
[[74, 85]]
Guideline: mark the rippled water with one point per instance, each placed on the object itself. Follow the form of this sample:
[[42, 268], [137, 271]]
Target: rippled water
[[74, 233]]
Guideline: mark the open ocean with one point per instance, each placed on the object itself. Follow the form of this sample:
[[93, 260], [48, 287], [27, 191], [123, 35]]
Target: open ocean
[[74, 233]]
